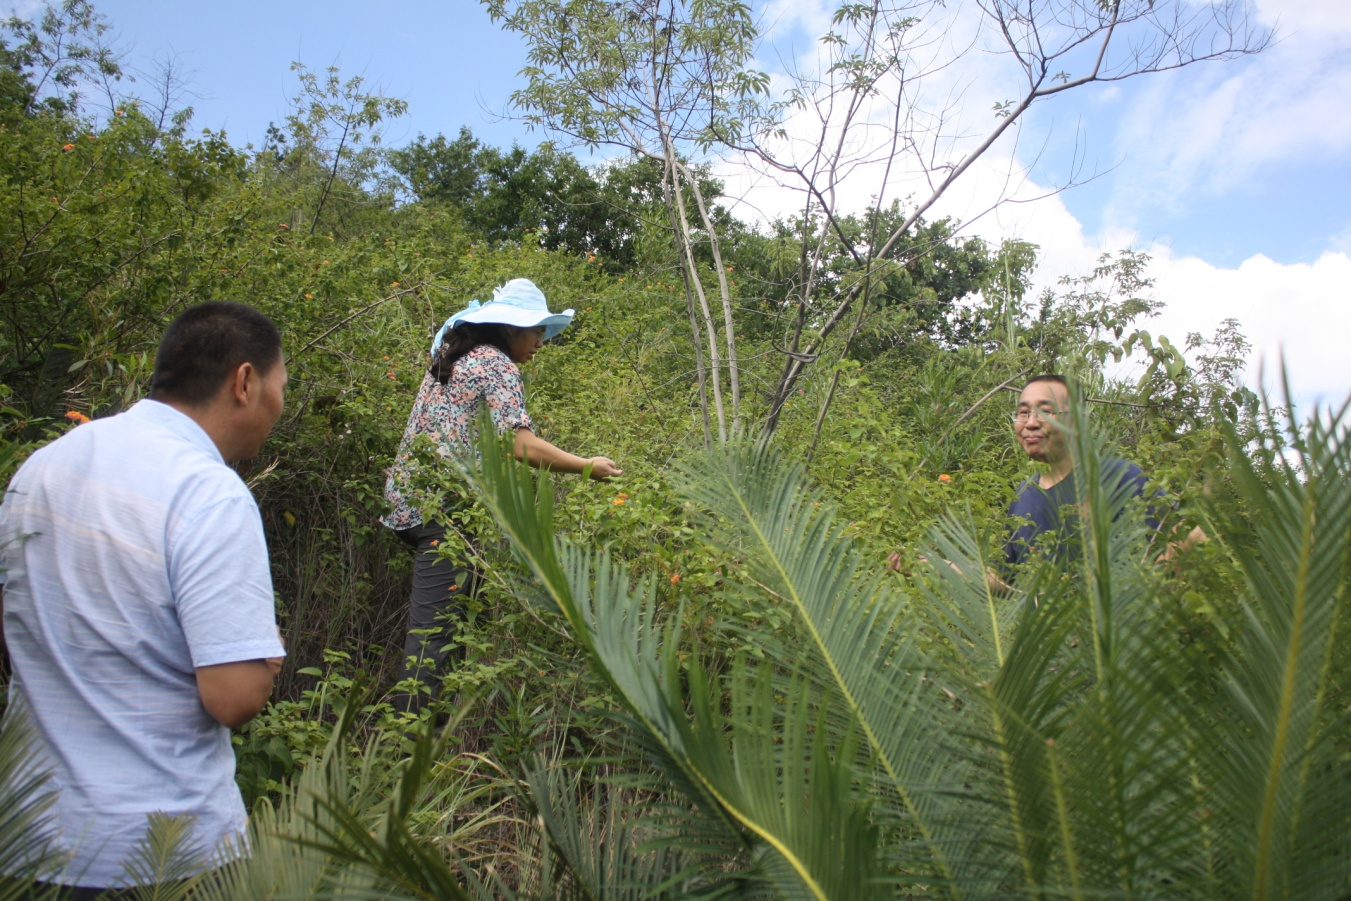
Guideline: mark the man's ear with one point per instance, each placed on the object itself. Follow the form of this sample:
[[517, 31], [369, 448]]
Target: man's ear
[[243, 383]]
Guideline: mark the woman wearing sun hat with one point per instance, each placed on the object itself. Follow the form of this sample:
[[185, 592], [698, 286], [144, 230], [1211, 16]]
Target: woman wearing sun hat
[[474, 364]]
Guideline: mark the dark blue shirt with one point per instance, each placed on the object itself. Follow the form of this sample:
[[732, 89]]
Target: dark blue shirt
[[1036, 510]]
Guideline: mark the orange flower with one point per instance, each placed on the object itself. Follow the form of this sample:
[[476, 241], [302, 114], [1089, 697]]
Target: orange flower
[[67, 147], [76, 417], [675, 578], [282, 225], [619, 502], [309, 297], [394, 284], [945, 478]]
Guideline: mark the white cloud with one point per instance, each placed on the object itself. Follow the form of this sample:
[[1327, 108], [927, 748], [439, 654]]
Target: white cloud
[[1298, 313], [1341, 242], [1301, 311], [1206, 129], [1306, 15]]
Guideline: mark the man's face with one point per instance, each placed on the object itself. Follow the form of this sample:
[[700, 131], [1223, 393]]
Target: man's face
[[1040, 435]]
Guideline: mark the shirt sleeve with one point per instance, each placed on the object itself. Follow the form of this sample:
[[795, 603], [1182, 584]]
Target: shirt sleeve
[[1132, 479], [504, 391], [222, 585]]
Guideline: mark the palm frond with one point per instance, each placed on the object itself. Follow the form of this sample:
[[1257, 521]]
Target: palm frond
[[166, 864], [28, 850], [709, 756], [1279, 799], [607, 844], [856, 627]]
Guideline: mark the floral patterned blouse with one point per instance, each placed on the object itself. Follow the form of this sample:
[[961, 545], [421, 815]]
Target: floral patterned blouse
[[448, 414]]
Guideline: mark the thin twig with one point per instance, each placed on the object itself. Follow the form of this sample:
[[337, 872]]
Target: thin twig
[[366, 309], [977, 405], [1098, 400]]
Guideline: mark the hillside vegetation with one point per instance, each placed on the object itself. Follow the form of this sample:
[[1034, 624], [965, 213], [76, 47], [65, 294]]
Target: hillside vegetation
[[698, 680]]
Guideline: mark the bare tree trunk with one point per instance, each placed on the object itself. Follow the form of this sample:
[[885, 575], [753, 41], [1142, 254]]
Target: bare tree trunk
[[693, 281], [699, 367], [333, 171], [725, 294], [696, 337]]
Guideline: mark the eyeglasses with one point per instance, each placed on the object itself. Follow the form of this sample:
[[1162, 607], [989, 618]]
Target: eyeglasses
[[1043, 415]]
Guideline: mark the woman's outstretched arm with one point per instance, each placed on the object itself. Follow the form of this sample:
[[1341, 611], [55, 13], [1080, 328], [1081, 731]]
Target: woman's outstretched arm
[[542, 455]]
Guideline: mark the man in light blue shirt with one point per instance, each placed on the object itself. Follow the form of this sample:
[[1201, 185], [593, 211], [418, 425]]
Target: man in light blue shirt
[[137, 599]]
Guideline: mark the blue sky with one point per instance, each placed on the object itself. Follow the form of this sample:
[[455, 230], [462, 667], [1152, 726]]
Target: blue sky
[[446, 59], [1235, 177]]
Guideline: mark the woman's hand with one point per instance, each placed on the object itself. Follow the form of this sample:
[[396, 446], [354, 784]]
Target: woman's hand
[[603, 468]]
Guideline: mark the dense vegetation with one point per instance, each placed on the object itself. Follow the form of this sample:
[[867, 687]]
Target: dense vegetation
[[698, 680]]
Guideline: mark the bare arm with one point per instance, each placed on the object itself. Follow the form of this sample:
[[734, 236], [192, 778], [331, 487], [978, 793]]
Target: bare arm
[[1196, 536], [542, 455], [993, 582], [234, 693]]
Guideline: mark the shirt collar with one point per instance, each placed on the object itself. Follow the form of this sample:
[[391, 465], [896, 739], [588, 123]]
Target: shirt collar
[[175, 422]]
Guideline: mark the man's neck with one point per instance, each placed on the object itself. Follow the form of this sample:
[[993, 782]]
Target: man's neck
[[1057, 473], [206, 417]]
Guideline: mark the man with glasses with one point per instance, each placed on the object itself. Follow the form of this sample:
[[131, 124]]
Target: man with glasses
[[1041, 409], [1041, 406], [1037, 420]]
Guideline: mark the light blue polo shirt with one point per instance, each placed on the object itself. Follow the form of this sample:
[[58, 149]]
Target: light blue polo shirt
[[133, 555]]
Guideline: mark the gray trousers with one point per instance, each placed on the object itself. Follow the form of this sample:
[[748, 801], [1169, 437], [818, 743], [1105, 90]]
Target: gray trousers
[[435, 609]]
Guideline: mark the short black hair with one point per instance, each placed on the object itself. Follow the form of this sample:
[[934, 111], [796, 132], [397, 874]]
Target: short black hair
[[1049, 377], [205, 344]]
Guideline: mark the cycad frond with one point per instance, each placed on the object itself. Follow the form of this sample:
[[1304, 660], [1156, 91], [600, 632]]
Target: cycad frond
[[747, 771], [166, 864], [860, 643], [612, 850], [1280, 800], [27, 841], [341, 831]]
